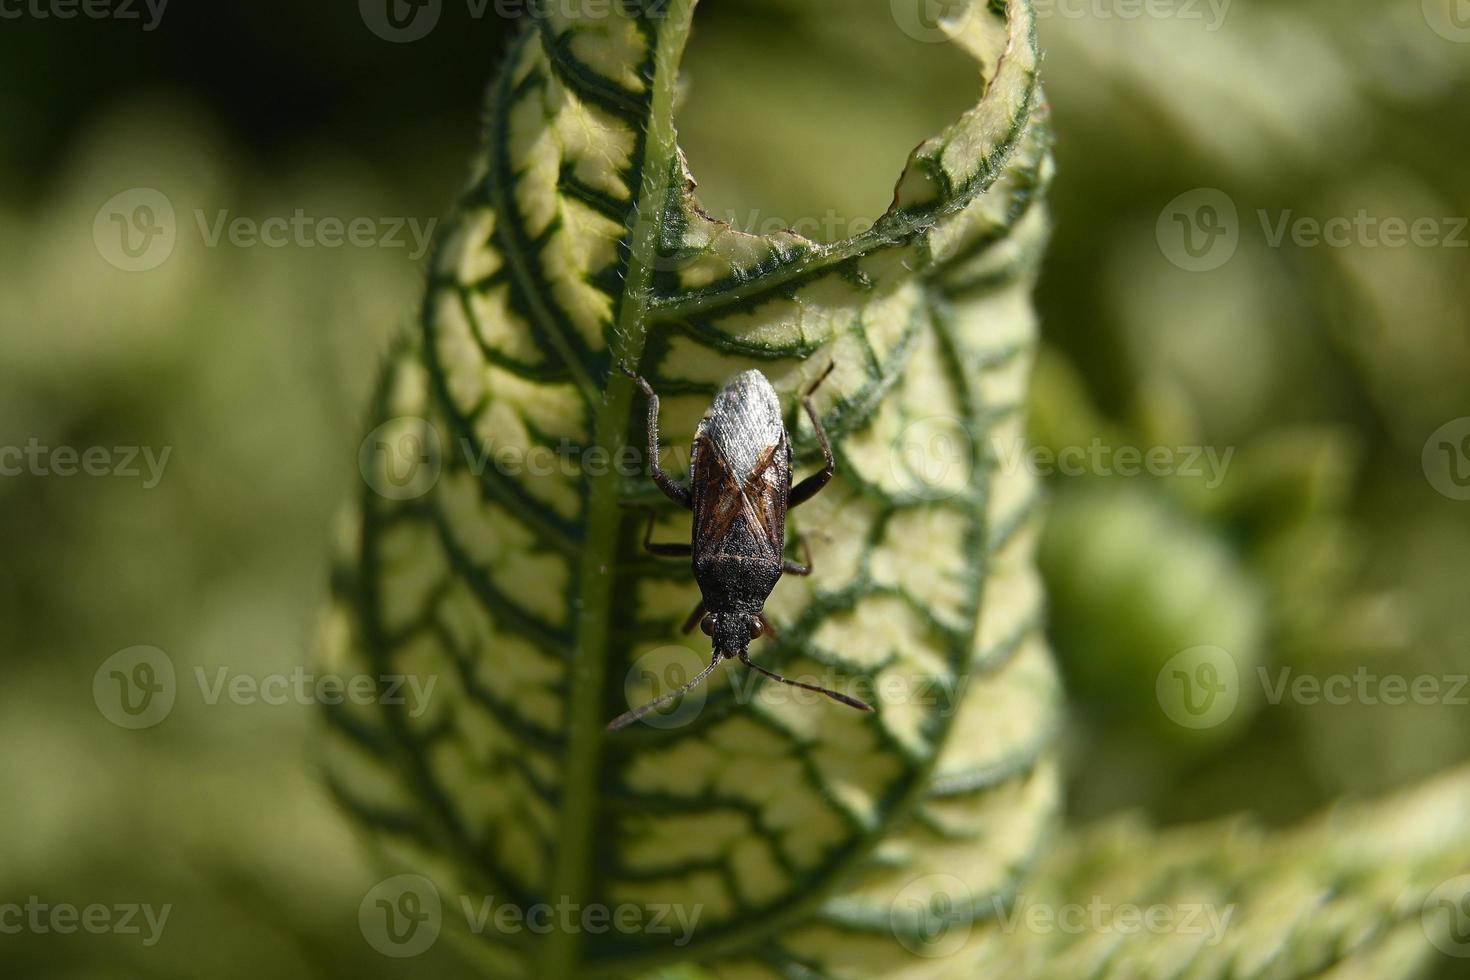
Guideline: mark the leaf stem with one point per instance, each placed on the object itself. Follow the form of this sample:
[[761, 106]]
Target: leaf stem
[[577, 828]]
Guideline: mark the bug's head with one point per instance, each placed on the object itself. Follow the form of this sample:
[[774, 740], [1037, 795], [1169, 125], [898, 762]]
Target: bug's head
[[731, 631]]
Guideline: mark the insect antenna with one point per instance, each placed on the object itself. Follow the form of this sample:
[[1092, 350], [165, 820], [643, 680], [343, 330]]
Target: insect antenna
[[628, 717], [851, 702]]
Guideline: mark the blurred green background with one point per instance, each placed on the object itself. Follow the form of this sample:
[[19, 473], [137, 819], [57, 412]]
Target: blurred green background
[[1331, 542]]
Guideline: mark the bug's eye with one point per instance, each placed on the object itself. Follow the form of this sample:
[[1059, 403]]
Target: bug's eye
[[707, 626], [755, 628]]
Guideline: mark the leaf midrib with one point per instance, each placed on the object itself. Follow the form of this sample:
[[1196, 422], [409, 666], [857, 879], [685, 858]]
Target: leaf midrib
[[611, 417]]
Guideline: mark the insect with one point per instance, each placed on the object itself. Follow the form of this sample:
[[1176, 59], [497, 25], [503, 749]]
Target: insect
[[739, 490]]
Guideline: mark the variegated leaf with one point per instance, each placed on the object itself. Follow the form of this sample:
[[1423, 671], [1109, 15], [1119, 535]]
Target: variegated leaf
[[492, 550]]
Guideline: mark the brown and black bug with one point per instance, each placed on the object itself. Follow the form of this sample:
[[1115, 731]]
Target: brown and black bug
[[740, 489]]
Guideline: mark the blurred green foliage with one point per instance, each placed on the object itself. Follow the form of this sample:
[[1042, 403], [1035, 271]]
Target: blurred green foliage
[[1323, 369]]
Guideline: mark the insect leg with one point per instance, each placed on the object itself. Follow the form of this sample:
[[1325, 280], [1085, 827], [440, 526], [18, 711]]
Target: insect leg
[[653, 547], [789, 567], [628, 717], [851, 702], [671, 488], [808, 488], [694, 618]]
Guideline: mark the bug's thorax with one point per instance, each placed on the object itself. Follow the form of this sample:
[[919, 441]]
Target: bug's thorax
[[744, 421]]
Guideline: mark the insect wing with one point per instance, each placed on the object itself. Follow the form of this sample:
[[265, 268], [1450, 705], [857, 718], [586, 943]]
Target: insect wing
[[740, 516], [741, 471]]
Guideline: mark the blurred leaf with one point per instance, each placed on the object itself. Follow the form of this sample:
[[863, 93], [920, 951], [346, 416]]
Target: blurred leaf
[[1134, 583], [1366, 890]]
